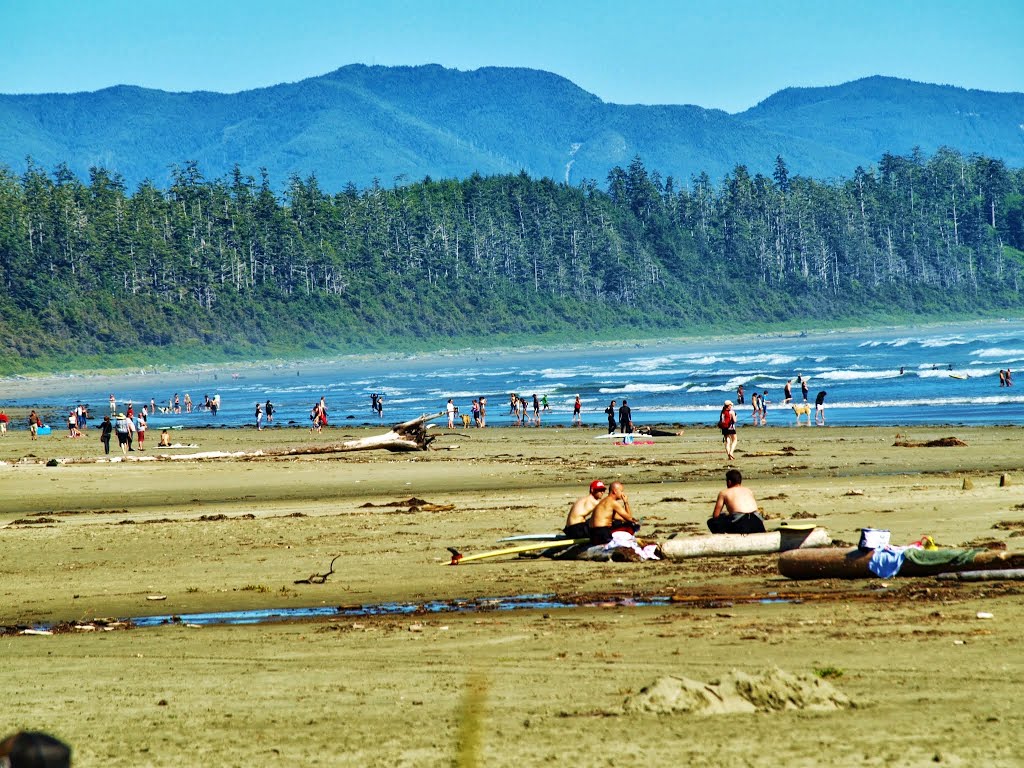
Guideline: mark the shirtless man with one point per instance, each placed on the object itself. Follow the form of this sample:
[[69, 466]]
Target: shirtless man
[[581, 510], [740, 508], [612, 513]]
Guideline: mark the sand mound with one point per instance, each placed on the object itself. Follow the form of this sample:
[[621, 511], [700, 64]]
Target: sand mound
[[736, 693]]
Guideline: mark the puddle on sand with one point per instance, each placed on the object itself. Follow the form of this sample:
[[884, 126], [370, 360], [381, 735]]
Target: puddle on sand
[[261, 616]]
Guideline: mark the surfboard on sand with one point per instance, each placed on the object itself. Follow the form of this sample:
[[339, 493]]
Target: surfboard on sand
[[536, 537], [458, 557]]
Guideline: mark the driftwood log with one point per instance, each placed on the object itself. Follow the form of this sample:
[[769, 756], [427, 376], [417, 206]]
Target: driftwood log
[[723, 544], [833, 563], [407, 436]]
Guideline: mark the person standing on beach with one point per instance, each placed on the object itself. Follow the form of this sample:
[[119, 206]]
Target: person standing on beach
[[739, 395], [106, 428], [121, 430], [727, 423], [762, 401], [259, 417], [625, 418], [610, 413], [269, 409], [33, 425], [577, 419], [735, 508], [787, 392], [188, 404], [450, 408], [581, 510], [803, 387], [483, 411], [536, 409], [4, 419], [140, 429], [755, 408], [819, 409], [113, 404]]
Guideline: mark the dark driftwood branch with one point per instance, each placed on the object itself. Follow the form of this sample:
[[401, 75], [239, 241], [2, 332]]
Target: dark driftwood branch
[[318, 578]]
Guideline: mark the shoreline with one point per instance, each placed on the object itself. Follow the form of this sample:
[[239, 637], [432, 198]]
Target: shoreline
[[22, 386]]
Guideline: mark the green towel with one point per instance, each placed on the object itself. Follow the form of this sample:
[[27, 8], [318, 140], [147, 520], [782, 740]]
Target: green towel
[[929, 557]]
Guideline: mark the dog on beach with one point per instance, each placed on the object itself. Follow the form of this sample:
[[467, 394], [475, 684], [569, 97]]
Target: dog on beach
[[465, 420], [802, 410]]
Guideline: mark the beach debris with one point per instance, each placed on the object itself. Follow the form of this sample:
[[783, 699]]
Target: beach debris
[[1005, 574], [1004, 480], [737, 692], [318, 578], [942, 442], [985, 615], [413, 504], [854, 492], [156, 597], [968, 485]]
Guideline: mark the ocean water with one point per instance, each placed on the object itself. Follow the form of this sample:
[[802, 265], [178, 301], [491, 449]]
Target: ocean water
[[949, 376]]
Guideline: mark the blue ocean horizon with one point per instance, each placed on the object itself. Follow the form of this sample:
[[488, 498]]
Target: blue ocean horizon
[[933, 375]]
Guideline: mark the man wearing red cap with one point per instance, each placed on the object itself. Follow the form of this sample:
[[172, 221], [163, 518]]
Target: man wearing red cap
[[581, 510]]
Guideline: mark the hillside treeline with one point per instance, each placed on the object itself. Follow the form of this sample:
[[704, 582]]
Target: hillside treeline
[[210, 268]]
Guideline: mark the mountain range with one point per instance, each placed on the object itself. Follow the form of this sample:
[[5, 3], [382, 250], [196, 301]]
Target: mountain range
[[394, 125]]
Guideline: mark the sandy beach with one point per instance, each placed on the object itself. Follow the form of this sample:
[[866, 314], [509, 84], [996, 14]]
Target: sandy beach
[[931, 682]]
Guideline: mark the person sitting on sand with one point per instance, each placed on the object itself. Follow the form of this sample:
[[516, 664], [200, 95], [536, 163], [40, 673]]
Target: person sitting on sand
[[581, 510], [165, 439], [612, 514], [34, 749], [736, 508]]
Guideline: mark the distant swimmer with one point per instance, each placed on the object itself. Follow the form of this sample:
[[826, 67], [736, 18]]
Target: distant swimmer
[[901, 370]]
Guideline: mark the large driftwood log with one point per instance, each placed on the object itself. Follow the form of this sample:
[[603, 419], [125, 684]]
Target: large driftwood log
[[836, 563], [407, 436], [723, 544]]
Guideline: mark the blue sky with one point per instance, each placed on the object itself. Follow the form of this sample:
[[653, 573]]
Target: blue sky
[[727, 54]]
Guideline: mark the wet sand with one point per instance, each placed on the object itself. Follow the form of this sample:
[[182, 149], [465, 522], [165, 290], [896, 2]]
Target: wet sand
[[933, 683]]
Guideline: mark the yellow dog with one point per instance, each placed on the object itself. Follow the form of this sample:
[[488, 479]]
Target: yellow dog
[[802, 410]]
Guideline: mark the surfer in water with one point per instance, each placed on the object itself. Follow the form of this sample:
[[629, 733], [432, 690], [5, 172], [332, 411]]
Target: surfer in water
[[581, 510], [735, 508]]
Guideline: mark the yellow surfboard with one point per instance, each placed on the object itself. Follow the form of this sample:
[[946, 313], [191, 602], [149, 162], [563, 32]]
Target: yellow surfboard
[[458, 557]]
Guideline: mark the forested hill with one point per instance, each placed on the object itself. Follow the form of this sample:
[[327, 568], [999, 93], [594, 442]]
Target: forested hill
[[92, 273], [360, 123]]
